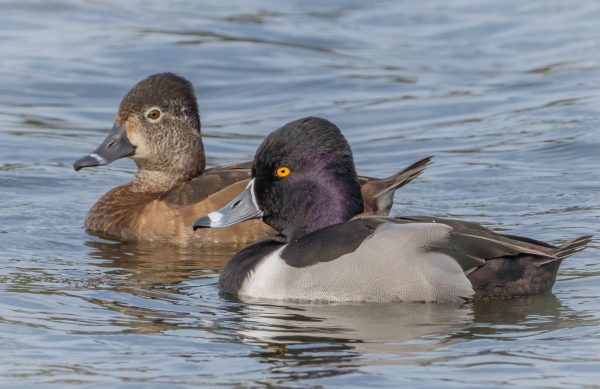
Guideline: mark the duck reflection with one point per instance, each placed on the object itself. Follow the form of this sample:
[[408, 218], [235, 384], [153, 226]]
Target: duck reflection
[[325, 340], [518, 316], [148, 265], [387, 328], [159, 288], [148, 284]]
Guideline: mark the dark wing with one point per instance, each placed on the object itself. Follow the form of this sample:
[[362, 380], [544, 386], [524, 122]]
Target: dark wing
[[499, 265], [211, 181], [234, 166]]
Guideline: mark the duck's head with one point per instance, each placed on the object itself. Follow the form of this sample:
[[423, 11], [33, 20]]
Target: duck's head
[[303, 179], [157, 126]]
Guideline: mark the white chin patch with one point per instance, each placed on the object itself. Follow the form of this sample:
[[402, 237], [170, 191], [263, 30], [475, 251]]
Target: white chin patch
[[98, 158]]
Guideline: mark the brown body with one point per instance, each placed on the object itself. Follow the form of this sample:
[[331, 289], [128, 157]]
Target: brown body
[[128, 214], [134, 216]]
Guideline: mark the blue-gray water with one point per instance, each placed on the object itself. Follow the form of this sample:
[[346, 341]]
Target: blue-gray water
[[505, 94]]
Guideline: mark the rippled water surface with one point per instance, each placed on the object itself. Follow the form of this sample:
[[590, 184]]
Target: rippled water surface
[[505, 94]]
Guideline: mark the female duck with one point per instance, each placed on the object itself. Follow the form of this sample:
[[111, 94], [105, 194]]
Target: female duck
[[158, 127], [304, 185]]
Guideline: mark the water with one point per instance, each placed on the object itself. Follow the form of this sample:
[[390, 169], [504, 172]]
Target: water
[[505, 94]]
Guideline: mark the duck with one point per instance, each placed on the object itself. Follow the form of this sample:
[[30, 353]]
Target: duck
[[158, 126], [305, 186]]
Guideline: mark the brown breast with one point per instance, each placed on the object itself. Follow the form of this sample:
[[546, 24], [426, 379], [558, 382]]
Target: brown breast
[[131, 216]]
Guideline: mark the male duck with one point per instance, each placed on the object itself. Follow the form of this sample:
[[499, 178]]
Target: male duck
[[158, 127], [304, 185]]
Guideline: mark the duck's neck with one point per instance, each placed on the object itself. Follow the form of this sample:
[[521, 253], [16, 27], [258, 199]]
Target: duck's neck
[[154, 181], [331, 203], [162, 170]]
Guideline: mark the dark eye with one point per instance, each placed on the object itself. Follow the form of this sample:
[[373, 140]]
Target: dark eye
[[154, 114]]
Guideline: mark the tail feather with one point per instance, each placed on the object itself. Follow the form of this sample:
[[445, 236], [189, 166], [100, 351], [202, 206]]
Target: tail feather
[[404, 176], [379, 193], [568, 248], [509, 266]]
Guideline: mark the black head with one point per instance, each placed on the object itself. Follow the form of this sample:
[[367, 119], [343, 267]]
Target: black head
[[305, 177], [303, 180], [157, 125]]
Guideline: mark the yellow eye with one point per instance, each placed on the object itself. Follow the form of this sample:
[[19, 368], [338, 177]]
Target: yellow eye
[[154, 114], [282, 171]]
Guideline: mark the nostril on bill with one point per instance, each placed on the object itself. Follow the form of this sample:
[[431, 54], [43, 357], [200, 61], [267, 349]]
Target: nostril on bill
[[235, 205], [111, 144]]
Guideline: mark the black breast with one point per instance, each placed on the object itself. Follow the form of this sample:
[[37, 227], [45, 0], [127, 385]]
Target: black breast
[[243, 263]]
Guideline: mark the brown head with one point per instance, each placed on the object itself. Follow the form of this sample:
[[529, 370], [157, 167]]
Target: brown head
[[158, 127]]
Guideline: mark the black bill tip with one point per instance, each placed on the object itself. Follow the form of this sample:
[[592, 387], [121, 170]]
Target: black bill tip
[[89, 160], [203, 222]]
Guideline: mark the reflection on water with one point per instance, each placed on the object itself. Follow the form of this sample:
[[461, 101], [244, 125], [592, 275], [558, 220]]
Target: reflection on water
[[375, 328], [149, 265], [504, 94]]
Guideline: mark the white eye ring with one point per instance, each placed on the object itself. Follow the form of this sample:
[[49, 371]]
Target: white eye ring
[[151, 112]]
